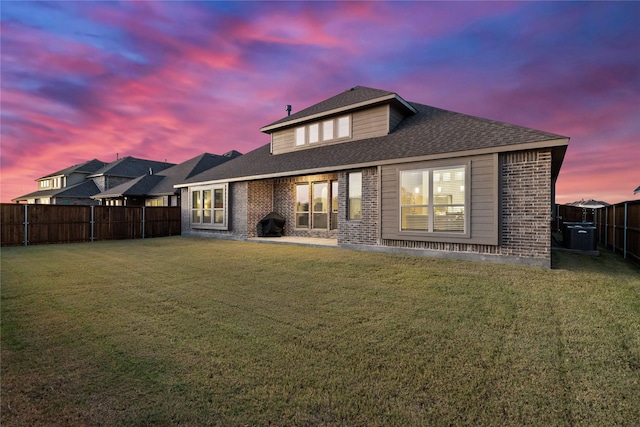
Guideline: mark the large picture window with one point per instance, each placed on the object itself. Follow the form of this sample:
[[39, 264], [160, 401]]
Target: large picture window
[[209, 207], [433, 200]]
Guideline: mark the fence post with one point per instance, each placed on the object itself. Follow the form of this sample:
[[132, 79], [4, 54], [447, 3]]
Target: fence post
[[143, 222], [92, 222], [613, 238], [26, 224], [626, 223], [606, 226]]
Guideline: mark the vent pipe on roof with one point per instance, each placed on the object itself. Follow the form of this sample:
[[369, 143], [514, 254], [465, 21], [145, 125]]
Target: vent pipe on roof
[[288, 108], [150, 171]]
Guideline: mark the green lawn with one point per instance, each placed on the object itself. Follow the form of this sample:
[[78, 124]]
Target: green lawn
[[185, 331]]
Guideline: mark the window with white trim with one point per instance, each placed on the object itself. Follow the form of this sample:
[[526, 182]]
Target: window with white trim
[[209, 207], [327, 130], [344, 127], [300, 136], [433, 200], [314, 133]]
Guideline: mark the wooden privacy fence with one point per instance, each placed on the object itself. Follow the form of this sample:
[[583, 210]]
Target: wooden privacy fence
[[37, 224], [618, 228]]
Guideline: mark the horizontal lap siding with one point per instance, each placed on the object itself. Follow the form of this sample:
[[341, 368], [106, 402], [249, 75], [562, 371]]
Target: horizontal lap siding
[[370, 123], [367, 123], [483, 208], [283, 141]]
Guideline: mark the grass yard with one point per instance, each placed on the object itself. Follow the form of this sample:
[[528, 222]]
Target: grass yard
[[186, 331]]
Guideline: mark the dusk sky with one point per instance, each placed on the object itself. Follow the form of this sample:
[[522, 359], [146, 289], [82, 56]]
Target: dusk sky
[[172, 80]]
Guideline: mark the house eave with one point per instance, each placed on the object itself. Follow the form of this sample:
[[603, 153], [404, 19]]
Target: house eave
[[390, 97], [560, 142]]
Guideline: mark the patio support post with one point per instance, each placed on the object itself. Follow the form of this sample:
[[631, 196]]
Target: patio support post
[[143, 222]]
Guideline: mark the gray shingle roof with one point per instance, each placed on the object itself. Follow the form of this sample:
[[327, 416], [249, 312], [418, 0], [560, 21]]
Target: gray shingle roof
[[162, 183], [131, 167], [90, 166], [84, 189], [136, 187], [430, 131]]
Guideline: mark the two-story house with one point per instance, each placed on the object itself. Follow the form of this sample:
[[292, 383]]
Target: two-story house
[[157, 188], [370, 170], [68, 186], [76, 184]]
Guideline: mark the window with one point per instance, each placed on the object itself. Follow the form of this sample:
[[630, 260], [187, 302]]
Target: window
[[314, 135], [334, 205], [433, 200], [355, 195], [209, 207], [302, 206], [300, 136], [344, 128], [320, 205], [327, 130]]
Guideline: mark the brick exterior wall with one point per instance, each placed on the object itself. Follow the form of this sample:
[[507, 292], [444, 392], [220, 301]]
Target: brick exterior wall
[[260, 202], [364, 231], [524, 214], [525, 204]]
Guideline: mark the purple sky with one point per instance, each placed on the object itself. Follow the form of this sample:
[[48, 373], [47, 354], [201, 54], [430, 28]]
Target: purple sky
[[171, 80]]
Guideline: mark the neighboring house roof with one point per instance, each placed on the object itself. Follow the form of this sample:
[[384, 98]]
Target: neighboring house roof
[[131, 167], [90, 166], [355, 97], [162, 184], [637, 190], [589, 204], [136, 187], [84, 189], [431, 132]]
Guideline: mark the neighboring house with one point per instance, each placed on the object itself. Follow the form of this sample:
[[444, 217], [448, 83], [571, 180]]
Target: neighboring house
[[372, 171], [157, 189], [68, 186], [75, 185]]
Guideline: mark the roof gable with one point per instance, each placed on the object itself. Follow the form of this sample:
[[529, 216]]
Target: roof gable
[[350, 99]]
